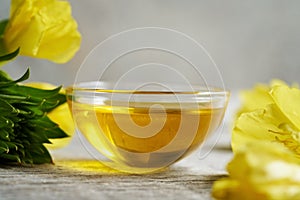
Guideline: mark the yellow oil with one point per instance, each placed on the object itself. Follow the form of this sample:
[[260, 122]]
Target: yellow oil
[[141, 135]]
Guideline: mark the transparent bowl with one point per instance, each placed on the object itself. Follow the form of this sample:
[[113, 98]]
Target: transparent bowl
[[141, 131]]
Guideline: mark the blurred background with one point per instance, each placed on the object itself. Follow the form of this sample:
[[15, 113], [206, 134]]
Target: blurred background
[[250, 41]]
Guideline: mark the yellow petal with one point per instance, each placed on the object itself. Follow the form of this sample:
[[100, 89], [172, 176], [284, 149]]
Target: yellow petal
[[231, 189], [262, 170], [288, 101], [277, 82], [262, 124], [258, 97], [268, 125], [60, 115], [255, 98], [42, 29]]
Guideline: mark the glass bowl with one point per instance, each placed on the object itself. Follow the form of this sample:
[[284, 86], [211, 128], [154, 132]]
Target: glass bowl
[[146, 129]]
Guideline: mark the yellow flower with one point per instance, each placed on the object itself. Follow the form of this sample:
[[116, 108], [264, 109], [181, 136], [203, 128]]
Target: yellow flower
[[260, 171], [258, 97], [279, 121], [266, 147], [42, 29], [60, 115]]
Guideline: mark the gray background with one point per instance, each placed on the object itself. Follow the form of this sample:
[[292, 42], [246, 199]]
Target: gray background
[[251, 41]]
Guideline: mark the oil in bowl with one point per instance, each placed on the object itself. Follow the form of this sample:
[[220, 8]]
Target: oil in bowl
[[144, 131]]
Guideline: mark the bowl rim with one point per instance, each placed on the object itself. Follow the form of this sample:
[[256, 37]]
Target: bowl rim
[[203, 91]]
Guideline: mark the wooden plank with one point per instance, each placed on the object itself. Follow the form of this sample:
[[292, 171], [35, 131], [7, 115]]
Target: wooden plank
[[76, 175], [91, 180]]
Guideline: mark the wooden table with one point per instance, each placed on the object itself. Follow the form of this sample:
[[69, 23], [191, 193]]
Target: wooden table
[[76, 176]]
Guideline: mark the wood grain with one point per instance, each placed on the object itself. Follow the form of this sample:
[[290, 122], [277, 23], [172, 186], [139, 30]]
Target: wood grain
[[91, 180], [76, 175]]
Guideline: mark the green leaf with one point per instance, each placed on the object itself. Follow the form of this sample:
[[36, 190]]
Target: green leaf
[[4, 157], [4, 76], [3, 150], [49, 128], [5, 106], [35, 92], [36, 137], [33, 111], [8, 145], [6, 124], [12, 97], [4, 135], [24, 77], [7, 82], [24, 125], [40, 155], [3, 145], [9, 56], [3, 24]]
